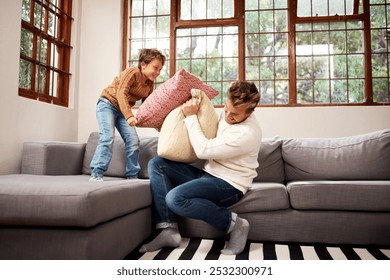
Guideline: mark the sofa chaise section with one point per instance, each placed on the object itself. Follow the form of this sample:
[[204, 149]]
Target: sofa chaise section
[[52, 211]]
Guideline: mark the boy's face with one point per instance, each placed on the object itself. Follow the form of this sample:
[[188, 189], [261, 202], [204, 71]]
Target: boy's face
[[151, 70]]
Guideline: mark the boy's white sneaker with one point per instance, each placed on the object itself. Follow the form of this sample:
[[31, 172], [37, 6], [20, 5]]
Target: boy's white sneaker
[[96, 179]]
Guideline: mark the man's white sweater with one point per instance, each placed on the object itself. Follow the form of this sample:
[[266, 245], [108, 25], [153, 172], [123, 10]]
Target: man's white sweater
[[232, 154]]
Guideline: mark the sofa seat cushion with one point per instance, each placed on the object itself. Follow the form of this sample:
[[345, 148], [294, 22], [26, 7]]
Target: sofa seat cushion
[[38, 200], [340, 195], [263, 197], [361, 157]]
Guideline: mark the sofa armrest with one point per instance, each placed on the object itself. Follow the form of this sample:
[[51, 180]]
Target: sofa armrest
[[52, 158]]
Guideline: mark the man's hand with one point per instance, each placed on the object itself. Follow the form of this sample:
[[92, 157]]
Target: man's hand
[[132, 121], [191, 107]]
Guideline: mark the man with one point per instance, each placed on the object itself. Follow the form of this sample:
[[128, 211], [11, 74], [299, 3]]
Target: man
[[181, 189]]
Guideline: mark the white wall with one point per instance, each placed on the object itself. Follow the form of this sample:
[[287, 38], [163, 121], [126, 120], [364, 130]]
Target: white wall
[[24, 119], [100, 56], [322, 121]]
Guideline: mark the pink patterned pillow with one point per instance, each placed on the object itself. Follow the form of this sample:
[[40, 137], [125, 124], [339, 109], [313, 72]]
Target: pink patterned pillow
[[169, 95]]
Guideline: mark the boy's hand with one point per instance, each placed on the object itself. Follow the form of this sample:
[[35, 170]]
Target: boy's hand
[[191, 107], [132, 121]]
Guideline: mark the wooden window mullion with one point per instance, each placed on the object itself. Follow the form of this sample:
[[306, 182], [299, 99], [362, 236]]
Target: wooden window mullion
[[368, 92], [292, 75], [125, 32], [240, 10], [175, 13]]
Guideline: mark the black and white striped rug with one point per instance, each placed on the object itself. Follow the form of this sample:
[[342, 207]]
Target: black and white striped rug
[[207, 249]]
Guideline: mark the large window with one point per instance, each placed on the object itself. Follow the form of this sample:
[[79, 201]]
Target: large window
[[330, 54], [266, 49], [380, 37], [45, 50], [211, 53], [148, 27], [298, 52]]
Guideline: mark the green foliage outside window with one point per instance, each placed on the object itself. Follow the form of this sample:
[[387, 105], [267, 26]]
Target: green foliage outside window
[[328, 58]]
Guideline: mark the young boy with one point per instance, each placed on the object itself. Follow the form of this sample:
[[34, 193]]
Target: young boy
[[113, 110]]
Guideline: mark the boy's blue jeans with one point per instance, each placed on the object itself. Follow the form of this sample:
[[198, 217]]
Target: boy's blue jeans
[[182, 189], [109, 117]]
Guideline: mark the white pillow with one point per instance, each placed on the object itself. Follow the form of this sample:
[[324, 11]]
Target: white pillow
[[173, 141]]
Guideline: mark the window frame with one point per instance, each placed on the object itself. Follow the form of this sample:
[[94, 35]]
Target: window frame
[[365, 18], [57, 63], [293, 19]]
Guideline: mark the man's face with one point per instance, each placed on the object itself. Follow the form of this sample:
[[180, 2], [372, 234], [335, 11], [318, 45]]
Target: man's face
[[236, 114]]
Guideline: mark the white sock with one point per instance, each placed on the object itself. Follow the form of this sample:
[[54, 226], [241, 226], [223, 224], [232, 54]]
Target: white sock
[[168, 237], [238, 237]]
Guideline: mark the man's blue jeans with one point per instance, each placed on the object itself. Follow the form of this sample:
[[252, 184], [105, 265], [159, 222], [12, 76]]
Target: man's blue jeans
[[109, 117], [182, 189]]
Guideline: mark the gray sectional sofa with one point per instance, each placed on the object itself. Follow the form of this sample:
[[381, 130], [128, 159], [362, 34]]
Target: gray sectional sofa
[[333, 191]]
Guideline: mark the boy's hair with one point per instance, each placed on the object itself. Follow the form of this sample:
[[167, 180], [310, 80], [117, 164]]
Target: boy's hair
[[147, 55], [243, 92]]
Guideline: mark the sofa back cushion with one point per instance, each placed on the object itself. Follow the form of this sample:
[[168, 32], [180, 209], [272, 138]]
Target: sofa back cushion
[[42, 158], [117, 167], [361, 157], [148, 150], [271, 167]]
